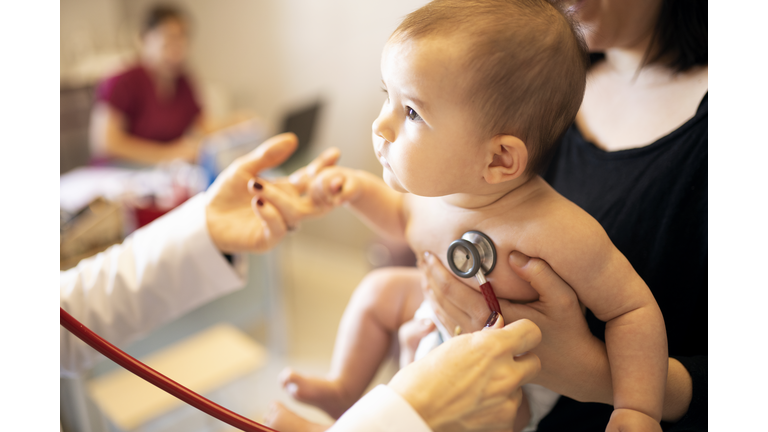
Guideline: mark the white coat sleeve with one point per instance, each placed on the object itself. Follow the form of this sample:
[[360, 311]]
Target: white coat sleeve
[[158, 273], [381, 410]]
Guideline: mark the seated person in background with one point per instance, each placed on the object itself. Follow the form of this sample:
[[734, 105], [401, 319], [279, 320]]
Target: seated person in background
[[477, 98], [151, 113]]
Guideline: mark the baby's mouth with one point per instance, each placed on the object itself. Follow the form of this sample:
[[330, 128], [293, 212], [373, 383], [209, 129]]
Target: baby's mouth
[[383, 160]]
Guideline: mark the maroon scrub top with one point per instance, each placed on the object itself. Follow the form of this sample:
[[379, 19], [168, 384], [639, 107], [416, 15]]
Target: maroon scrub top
[[132, 92]]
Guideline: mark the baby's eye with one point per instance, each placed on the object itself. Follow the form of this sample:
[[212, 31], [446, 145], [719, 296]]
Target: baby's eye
[[412, 114], [385, 92]]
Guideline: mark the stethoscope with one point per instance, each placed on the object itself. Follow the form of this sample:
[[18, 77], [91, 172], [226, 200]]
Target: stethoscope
[[471, 255], [474, 255]]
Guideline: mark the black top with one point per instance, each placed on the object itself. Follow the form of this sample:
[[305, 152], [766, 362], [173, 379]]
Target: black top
[[652, 202]]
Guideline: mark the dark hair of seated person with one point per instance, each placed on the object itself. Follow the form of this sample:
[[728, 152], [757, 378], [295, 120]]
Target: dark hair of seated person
[[160, 14], [679, 36]]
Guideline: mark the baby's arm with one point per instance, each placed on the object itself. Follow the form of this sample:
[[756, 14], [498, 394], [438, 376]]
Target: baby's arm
[[375, 203], [579, 250]]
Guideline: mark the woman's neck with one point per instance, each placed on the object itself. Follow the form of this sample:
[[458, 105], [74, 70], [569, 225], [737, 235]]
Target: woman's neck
[[163, 78], [627, 60]]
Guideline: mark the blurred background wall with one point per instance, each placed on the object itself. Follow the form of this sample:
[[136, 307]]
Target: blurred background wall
[[265, 56]]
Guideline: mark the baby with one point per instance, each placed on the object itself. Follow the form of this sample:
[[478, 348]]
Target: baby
[[478, 93]]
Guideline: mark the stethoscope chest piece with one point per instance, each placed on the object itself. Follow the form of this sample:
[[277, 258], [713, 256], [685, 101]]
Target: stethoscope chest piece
[[472, 252]]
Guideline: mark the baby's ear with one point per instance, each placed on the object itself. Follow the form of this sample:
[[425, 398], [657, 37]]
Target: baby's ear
[[508, 159]]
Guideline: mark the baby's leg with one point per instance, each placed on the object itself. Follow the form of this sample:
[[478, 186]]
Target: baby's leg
[[383, 301]]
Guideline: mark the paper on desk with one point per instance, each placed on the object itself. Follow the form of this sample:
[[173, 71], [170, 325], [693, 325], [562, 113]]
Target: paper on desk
[[79, 187]]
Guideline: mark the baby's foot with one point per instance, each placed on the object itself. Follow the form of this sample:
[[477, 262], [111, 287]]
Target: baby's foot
[[281, 418], [322, 393]]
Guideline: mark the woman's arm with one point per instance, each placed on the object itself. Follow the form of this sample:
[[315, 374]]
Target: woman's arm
[[574, 362], [108, 135]]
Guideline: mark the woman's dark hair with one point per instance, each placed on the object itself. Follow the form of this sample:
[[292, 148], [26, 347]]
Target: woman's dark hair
[[160, 14], [681, 34], [679, 37]]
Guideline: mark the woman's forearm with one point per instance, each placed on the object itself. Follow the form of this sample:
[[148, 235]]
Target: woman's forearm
[[108, 133], [677, 395], [145, 151]]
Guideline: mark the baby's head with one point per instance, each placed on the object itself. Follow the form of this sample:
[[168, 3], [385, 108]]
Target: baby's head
[[478, 91]]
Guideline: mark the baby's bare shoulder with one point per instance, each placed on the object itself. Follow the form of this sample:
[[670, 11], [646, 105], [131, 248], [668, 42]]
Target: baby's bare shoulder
[[558, 227]]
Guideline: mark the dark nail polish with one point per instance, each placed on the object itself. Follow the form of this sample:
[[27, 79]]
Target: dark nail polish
[[492, 319], [259, 202], [258, 186]]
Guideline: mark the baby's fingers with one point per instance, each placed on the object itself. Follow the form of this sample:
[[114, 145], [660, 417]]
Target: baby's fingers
[[302, 177], [327, 188]]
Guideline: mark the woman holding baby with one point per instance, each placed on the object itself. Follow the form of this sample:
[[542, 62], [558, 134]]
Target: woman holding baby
[[636, 160]]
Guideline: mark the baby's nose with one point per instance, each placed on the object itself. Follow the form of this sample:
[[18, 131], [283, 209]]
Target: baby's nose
[[382, 129]]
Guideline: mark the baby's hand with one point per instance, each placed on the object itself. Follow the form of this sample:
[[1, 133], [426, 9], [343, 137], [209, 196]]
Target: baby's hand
[[290, 196], [334, 186], [628, 420]]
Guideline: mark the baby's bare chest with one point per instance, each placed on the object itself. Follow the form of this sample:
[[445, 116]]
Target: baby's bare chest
[[433, 227]]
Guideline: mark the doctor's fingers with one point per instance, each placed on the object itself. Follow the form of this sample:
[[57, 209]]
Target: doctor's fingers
[[292, 208], [518, 337], [273, 225], [460, 301], [302, 177], [270, 153], [508, 373]]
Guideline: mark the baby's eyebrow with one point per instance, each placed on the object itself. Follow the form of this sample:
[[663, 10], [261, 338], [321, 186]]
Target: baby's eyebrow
[[420, 103]]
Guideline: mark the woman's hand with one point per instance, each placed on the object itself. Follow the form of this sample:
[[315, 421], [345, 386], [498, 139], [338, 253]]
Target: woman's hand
[[472, 382], [574, 362], [237, 220]]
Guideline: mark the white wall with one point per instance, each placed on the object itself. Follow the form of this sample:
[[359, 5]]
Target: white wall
[[89, 27], [275, 54], [272, 55]]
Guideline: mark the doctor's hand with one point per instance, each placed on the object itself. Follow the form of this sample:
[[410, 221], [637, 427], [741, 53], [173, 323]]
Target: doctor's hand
[[291, 196], [472, 381], [237, 220], [573, 361]]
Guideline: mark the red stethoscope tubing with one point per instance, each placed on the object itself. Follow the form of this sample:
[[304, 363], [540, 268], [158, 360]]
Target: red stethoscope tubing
[[490, 297], [157, 379]]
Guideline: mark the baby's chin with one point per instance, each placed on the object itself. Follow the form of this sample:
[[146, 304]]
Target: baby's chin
[[393, 182]]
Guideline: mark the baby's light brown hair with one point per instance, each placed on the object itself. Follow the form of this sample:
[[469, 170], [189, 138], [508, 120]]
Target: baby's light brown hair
[[525, 61]]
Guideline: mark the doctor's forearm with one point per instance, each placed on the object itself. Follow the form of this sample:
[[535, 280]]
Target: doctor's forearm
[[158, 273]]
